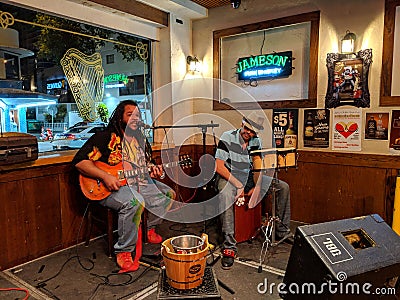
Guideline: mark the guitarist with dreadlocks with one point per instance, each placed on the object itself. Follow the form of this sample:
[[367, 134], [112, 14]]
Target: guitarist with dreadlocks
[[122, 141]]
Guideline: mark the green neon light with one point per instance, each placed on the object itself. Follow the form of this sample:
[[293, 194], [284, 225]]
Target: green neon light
[[116, 78]]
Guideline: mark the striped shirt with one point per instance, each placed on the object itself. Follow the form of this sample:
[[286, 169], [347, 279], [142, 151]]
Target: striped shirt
[[237, 159]]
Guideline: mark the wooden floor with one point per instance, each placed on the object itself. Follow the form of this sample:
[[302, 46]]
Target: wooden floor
[[88, 273]]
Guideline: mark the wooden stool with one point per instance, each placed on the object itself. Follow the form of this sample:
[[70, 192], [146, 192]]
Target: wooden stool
[[108, 222]]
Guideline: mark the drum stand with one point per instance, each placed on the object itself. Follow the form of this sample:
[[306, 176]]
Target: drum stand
[[274, 219]]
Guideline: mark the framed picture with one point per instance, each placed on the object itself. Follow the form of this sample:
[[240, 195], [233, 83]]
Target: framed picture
[[238, 48], [348, 79], [390, 76]]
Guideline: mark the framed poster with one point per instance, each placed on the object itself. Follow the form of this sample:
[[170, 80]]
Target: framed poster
[[346, 133], [316, 128], [376, 126], [285, 127], [390, 75], [258, 44], [395, 131], [348, 79]]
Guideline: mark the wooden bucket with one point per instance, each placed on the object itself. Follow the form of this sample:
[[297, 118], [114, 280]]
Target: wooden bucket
[[185, 270]]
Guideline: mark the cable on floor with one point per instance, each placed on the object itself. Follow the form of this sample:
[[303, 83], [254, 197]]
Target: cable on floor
[[17, 289], [137, 291], [42, 283], [107, 282]]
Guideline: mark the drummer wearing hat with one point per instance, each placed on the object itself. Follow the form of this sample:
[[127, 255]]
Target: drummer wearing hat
[[236, 178]]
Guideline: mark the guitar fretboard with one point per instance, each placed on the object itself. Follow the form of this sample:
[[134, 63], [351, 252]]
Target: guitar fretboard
[[141, 170]]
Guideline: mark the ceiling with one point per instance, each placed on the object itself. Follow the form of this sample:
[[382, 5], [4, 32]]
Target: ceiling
[[212, 3]]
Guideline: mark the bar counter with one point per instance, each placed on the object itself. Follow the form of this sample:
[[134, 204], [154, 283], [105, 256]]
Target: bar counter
[[43, 159]]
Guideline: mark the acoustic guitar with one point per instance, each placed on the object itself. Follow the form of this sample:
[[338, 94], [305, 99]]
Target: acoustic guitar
[[94, 189]]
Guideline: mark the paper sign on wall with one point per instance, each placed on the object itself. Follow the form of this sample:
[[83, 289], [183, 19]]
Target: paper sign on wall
[[346, 133]]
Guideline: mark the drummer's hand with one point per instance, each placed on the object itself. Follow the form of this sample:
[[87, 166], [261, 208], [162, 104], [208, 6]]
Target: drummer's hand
[[239, 198]]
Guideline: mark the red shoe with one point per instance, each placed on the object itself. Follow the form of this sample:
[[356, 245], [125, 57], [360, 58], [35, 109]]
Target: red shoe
[[125, 262], [153, 237]]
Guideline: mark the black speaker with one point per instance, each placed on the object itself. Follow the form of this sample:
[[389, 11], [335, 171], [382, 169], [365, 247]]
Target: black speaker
[[355, 258]]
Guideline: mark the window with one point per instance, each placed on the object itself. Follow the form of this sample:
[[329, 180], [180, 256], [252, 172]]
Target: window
[[110, 59], [134, 86], [43, 73]]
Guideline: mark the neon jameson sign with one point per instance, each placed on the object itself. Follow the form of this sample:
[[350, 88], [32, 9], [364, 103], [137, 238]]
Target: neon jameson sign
[[274, 65]]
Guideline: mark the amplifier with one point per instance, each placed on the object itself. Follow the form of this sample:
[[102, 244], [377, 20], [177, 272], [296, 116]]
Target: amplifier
[[356, 258]]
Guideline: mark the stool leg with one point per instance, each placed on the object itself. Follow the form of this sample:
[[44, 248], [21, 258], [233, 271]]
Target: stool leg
[[110, 233], [139, 246], [144, 226], [89, 226]]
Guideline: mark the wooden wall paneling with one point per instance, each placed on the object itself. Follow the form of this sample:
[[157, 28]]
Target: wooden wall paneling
[[390, 188], [138, 9], [13, 245], [30, 218], [323, 191], [350, 159], [73, 205], [333, 185], [30, 172], [41, 201]]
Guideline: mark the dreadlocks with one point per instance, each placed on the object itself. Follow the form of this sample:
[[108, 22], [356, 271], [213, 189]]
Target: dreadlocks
[[117, 125]]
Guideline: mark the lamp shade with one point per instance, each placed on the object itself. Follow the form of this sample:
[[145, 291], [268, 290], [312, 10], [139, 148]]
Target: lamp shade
[[348, 42], [194, 63]]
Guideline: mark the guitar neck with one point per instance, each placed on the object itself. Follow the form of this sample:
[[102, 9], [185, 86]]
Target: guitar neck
[[141, 170]]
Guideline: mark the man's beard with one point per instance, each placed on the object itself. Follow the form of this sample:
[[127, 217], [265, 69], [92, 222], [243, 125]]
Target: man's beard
[[129, 131]]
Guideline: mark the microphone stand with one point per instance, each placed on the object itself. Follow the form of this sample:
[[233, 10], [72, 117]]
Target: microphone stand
[[204, 128]]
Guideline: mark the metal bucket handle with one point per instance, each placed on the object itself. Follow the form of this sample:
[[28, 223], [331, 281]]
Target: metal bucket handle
[[206, 244]]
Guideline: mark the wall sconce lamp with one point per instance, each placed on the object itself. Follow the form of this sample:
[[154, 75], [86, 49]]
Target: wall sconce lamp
[[194, 64], [348, 42]]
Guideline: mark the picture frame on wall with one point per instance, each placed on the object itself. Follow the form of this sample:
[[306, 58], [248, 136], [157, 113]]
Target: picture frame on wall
[[348, 79], [390, 90], [297, 34]]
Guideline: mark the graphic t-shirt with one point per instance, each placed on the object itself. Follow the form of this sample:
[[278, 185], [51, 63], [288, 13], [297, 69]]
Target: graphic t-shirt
[[107, 147]]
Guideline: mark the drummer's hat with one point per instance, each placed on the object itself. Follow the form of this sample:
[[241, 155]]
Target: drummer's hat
[[254, 121]]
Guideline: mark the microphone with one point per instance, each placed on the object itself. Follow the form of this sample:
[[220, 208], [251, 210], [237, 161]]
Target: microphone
[[143, 125]]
